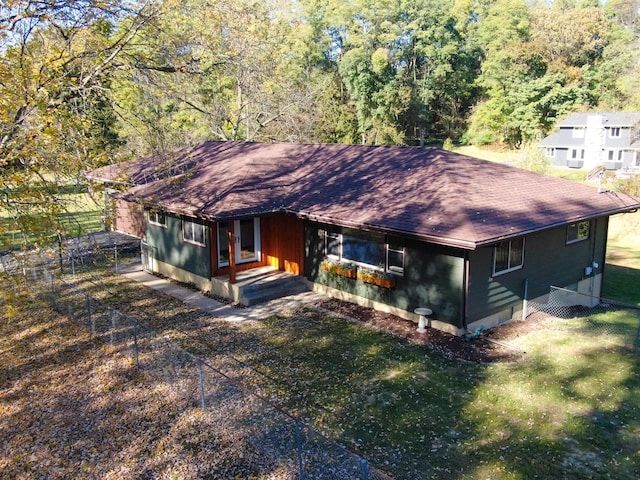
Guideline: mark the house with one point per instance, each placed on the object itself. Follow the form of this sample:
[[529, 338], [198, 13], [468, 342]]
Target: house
[[394, 228], [129, 217], [590, 140]]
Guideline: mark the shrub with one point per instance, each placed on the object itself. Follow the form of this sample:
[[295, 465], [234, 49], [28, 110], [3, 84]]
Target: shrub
[[532, 158]]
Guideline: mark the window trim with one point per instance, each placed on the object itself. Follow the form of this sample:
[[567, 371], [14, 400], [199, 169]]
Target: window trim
[[612, 153], [193, 221], [614, 132], [388, 248], [219, 242], [576, 154], [550, 152], [510, 268], [153, 218], [577, 132], [570, 241]]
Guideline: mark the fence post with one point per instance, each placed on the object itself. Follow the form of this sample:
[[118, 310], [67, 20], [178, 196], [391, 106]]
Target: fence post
[[299, 447], [112, 329], [53, 292], [201, 379], [88, 298], [135, 343], [365, 469]]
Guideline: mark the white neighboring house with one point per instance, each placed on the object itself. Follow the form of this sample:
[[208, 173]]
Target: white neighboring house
[[590, 140]]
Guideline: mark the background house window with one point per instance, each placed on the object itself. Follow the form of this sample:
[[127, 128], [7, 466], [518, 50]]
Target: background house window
[[578, 231], [157, 217], [577, 132], [193, 231], [614, 155], [614, 132], [577, 154], [508, 256], [549, 152]]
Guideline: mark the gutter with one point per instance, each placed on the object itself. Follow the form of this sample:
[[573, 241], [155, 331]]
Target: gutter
[[435, 239]]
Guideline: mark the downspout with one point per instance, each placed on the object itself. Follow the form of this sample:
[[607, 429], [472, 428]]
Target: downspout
[[525, 300], [604, 255], [465, 293], [593, 259]]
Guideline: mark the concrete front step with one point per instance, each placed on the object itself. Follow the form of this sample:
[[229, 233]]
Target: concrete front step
[[272, 290], [259, 285]]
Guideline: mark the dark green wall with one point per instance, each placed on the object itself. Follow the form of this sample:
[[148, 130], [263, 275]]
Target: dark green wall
[[548, 260], [433, 278], [167, 246]]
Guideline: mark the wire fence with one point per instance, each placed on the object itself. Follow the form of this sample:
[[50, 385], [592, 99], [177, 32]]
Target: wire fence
[[611, 321], [283, 440]]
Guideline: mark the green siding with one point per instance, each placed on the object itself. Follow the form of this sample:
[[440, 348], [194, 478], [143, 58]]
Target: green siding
[[548, 260], [433, 277], [166, 245]]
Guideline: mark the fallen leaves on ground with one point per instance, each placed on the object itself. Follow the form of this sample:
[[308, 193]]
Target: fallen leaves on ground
[[74, 407]]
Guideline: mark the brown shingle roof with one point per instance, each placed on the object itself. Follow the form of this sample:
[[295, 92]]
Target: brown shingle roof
[[428, 193]]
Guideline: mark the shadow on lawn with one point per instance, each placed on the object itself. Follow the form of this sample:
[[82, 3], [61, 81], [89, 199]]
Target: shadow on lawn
[[557, 417], [410, 411]]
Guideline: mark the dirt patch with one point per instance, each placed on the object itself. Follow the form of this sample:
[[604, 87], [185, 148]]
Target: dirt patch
[[488, 347]]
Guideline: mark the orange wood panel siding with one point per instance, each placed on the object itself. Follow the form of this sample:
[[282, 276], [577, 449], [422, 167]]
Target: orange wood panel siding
[[283, 243]]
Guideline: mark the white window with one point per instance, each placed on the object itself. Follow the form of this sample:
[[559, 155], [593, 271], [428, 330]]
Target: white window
[[576, 154], [508, 256], [614, 155], [576, 232], [332, 244], [614, 132], [550, 152], [157, 217], [194, 231], [577, 132], [395, 256]]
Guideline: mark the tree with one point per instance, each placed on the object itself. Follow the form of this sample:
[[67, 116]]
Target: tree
[[55, 116]]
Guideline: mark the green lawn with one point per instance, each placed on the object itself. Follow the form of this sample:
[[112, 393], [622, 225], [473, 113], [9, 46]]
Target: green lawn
[[622, 270], [569, 410], [82, 216]]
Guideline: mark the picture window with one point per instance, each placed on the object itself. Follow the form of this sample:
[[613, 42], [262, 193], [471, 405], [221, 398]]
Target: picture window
[[371, 250]]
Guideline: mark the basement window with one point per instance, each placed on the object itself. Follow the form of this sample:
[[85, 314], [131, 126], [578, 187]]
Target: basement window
[[508, 256], [194, 231], [577, 232]]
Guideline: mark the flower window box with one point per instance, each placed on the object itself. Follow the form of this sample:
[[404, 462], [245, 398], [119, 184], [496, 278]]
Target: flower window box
[[338, 268], [380, 279]]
